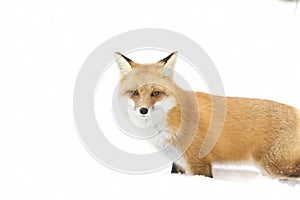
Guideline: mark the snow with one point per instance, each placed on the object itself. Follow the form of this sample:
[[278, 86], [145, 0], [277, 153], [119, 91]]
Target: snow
[[254, 44], [226, 184]]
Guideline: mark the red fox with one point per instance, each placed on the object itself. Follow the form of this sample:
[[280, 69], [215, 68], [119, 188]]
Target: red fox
[[262, 131]]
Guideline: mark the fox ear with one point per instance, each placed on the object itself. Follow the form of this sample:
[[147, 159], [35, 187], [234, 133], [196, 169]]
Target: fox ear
[[125, 64], [169, 64]]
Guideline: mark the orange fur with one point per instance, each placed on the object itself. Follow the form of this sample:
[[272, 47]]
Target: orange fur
[[265, 131]]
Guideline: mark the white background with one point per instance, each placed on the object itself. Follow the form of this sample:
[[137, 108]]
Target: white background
[[254, 44]]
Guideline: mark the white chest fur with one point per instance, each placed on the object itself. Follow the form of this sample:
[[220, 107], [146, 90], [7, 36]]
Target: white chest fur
[[162, 141]]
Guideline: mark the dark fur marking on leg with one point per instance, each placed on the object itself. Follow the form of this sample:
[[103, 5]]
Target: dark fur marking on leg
[[176, 169]]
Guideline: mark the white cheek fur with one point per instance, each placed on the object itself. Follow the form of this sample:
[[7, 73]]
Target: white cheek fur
[[131, 104], [166, 104]]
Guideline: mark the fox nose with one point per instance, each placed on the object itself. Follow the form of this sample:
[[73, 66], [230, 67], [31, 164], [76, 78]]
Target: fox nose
[[143, 111]]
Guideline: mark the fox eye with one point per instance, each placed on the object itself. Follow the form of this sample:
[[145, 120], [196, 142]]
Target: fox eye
[[155, 93], [134, 93]]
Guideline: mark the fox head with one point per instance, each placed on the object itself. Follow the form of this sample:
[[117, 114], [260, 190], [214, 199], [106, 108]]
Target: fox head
[[149, 88]]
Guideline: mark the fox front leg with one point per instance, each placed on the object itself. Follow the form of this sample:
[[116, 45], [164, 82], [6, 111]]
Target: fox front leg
[[177, 169]]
